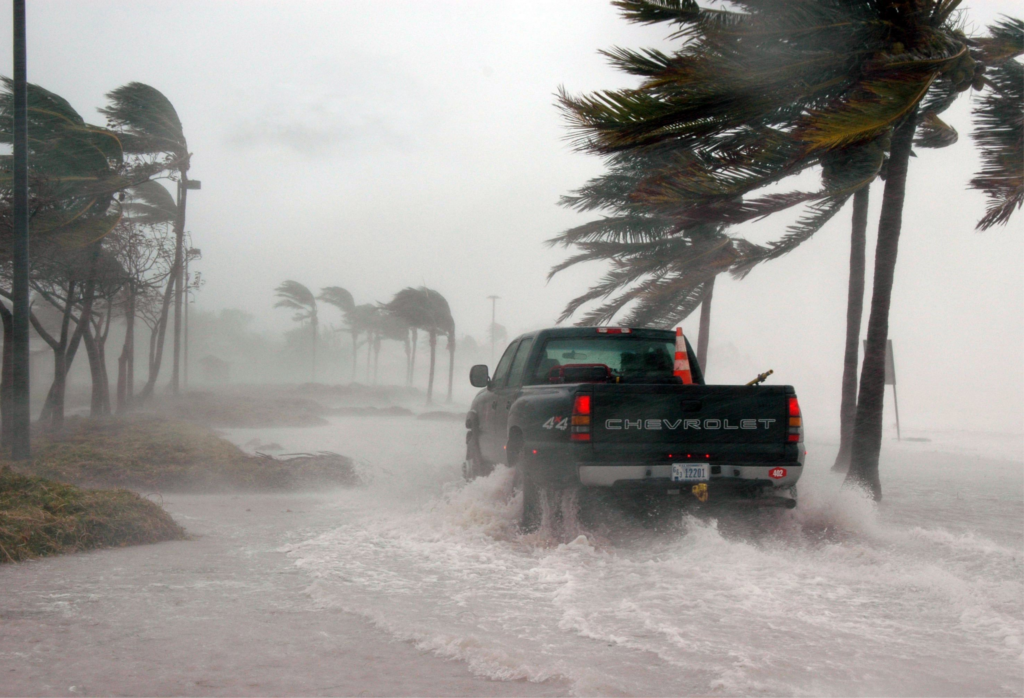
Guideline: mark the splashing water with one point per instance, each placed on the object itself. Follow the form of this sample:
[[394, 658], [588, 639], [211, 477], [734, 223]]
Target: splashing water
[[922, 594]]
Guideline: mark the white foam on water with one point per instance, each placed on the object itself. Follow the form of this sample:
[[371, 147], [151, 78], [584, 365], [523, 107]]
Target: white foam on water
[[841, 596]]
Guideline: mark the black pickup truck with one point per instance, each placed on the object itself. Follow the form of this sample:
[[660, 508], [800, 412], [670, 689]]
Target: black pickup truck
[[604, 407]]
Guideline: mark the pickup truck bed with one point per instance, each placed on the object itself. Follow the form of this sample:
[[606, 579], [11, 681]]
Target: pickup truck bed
[[598, 407]]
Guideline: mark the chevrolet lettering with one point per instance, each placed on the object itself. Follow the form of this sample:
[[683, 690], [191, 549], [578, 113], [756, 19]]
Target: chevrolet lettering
[[673, 424], [628, 410]]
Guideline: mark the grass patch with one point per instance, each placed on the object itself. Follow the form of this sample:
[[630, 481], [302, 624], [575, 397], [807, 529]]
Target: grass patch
[[41, 517], [149, 452], [246, 410]]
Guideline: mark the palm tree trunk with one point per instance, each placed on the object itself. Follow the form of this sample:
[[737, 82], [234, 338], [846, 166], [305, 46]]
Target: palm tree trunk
[[408, 351], [376, 357], [705, 326], [451, 365], [355, 353], [854, 313], [867, 431], [313, 325], [430, 381], [412, 361], [369, 355]]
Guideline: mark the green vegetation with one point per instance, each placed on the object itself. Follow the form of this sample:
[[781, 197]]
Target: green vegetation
[[751, 96], [40, 517], [150, 453]]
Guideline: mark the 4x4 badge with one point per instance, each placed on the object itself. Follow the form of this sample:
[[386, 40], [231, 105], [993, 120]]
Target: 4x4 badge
[[560, 423]]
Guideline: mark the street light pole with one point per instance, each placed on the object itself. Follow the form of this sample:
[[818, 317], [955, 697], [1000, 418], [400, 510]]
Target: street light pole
[[494, 306], [184, 185], [20, 417]]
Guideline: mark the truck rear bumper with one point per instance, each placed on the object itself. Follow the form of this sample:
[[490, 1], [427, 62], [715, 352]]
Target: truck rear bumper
[[776, 475]]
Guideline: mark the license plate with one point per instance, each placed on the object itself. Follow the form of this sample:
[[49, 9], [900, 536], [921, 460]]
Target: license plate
[[690, 472]]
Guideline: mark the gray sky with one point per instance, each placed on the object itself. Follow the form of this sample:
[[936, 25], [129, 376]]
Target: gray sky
[[380, 145]]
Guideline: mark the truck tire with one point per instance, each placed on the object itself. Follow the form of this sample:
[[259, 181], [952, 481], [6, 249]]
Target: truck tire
[[530, 519], [474, 466]]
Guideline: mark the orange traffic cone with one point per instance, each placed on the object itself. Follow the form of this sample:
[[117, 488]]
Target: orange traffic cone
[[682, 367]]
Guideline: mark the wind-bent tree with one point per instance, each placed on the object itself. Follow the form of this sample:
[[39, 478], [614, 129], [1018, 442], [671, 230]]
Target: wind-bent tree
[[854, 314], [141, 245], [426, 309], [757, 95], [394, 328], [149, 127], [77, 171], [343, 301], [297, 297]]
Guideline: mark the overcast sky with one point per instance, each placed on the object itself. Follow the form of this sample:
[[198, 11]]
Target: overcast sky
[[380, 145]]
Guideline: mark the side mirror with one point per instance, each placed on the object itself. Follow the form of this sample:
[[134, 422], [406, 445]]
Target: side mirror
[[479, 377]]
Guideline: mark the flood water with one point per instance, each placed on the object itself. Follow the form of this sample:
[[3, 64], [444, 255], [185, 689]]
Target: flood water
[[420, 584], [920, 595]]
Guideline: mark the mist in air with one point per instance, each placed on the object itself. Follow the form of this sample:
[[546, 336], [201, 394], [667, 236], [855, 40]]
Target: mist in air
[[380, 188]]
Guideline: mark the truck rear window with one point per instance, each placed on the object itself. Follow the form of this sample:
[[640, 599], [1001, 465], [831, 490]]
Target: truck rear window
[[621, 358]]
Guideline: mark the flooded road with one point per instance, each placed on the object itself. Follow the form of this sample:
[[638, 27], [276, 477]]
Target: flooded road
[[419, 583]]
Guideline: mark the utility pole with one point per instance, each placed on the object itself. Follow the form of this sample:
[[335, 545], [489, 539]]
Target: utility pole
[[494, 306], [190, 254], [184, 185], [20, 447]]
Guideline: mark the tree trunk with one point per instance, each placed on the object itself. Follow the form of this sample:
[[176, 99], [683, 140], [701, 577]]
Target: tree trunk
[[355, 354], [705, 326], [157, 341], [369, 355], [376, 357], [60, 372], [313, 372], [451, 365], [430, 380], [6, 376], [854, 313], [408, 356], [412, 360], [179, 268], [96, 373], [125, 362], [867, 432]]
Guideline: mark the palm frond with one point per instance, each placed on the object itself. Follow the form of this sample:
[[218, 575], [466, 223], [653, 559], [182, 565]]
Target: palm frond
[[338, 297], [148, 120], [999, 134]]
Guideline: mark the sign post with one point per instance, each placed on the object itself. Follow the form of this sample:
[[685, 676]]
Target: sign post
[[890, 379]]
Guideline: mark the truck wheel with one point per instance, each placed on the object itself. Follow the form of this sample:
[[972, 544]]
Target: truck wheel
[[531, 516], [474, 466]]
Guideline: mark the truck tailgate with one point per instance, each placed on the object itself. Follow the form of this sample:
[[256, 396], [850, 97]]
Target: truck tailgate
[[729, 420]]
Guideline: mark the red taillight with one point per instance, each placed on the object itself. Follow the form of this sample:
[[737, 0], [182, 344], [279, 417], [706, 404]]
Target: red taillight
[[795, 432], [580, 429], [582, 405], [613, 330]]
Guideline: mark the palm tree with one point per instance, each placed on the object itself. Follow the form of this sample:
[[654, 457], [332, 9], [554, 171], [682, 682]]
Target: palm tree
[[392, 327], [343, 301], [854, 314], [364, 319], [148, 125], [754, 96], [77, 172], [139, 245], [426, 309], [297, 297]]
